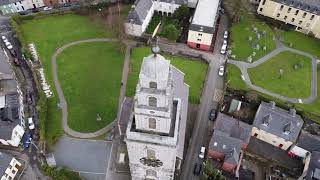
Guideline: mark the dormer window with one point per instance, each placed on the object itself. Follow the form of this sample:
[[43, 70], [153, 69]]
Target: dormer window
[[266, 120], [153, 85]]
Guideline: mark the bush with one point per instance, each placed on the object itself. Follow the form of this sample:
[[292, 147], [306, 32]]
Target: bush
[[170, 32], [182, 12], [60, 173]]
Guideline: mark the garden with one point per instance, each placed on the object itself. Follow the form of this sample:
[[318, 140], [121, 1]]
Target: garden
[[195, 72]]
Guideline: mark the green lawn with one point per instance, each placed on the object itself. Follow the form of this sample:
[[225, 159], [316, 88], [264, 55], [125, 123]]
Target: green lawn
[[241, 47], [293, 84], [90, 76], [301, 42], [48, 34], [234, 78], [195, 73]]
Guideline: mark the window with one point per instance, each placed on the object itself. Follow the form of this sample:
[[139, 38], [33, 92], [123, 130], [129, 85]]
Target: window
[[260, 9], [278, 15], [312, 17], [304, 15], [151, 154], [285, 17], [198, 39], [280, 145], [255, 134], [289, 10], [292, 20], [153, 85], [199, 34], [300, 22], [263, 2], [153, 101], [152, 123], [297, 12], [281, 7], [151, 173], [198, 46], [14, 172]]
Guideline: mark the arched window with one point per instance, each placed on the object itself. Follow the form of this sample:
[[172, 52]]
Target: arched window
[[152, 123], [153, 101], [153, 85]]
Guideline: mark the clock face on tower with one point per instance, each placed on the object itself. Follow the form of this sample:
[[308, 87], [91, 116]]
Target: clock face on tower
[[151, 162]]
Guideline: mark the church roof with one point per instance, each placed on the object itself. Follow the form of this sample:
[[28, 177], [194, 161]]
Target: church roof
[[155, 67]]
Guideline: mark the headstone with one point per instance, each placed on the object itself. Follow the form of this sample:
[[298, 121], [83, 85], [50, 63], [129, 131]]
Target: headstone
[[257, 47], [280, 73], [254, 53], [258, 35], [264, 32], [255, 29], [264, 48], [233, 56], [249, 59], [98, 117], [290, 44], [250, 38]]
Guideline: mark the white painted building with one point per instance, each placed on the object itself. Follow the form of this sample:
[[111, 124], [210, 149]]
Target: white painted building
[[142, 11], [156, 130], [8, 166]]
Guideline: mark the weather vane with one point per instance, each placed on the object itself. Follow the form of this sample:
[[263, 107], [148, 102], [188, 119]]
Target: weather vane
[[155, 48]]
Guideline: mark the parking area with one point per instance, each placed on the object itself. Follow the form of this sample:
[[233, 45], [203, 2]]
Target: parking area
[[88, 157]]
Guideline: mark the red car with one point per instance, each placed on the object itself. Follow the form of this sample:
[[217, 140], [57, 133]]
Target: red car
[[16, 61]]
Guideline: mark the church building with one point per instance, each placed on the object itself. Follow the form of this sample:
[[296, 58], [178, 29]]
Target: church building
[[155, 134]]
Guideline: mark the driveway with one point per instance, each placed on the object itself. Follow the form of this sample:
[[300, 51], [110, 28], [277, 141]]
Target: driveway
[[88, 157]]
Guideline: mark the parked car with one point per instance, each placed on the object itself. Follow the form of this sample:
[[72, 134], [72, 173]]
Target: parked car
[[31, 124], [47, 8], [35, 10], [67, 4], [23, 13], [225, 43], [212, 114], [197, 169], [221, 71], [223, 49], [8, 45], [202, 151], [16, 61], [27, 140], [4, 39], [225, 34]]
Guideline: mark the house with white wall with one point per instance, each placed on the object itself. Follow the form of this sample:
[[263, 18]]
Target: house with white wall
[[276, 126], [9, 166], [13, 6], [306, 143]]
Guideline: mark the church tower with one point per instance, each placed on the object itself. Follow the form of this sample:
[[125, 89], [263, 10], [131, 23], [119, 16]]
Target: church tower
[[152, 135]]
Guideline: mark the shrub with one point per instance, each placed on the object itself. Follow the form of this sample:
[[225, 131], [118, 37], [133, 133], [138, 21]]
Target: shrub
[[170, 32], [60, 173], [182, 12]]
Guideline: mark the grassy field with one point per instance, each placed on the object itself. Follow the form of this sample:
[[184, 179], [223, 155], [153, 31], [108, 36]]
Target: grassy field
[[90, 76], [241, 47], [48, 34], [234, 78], [301, 42], [195, 73], [293, 83]]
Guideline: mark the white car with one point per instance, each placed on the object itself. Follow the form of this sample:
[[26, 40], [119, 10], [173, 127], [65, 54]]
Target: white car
[[225, 43], [202, 151], [31, 124], [223, 49], [4, 39], [221, 71], [8, 45], [225, 35], [47, 8]]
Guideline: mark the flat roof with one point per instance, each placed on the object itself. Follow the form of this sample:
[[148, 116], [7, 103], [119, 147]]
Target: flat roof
[[206, 12]]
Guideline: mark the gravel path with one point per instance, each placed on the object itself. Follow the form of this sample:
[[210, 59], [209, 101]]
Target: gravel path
[[62, 99], [244, 66]]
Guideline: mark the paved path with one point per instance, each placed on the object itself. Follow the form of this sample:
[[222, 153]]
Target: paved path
[[244, 66], [62, 99]]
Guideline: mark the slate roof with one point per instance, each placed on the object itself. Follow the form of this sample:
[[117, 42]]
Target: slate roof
[[5, 2], [5, 160], [312, 6], [314, 167], [277, 121], [308, 141], [229, 146], [9, 116], [233, 127], [155, 67]]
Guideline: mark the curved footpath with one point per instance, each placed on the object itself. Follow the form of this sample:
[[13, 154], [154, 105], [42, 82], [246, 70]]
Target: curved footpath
[[243, 66], [62, 99]]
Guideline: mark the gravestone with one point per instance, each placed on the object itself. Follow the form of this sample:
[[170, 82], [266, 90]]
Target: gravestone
[[249, 59], [254, 53], [257, 47], [250, 38], [264, 48]]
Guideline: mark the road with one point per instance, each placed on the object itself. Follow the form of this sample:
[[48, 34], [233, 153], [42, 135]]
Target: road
[[213, 85]]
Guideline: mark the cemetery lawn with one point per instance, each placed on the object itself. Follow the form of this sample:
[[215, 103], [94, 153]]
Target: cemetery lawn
[[195, 72], [234, 78], [301, 42], [241, 47], [294, 83], [47, 34], [91, 86]]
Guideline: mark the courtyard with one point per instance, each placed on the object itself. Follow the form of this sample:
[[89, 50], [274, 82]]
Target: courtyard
[[195, 72]]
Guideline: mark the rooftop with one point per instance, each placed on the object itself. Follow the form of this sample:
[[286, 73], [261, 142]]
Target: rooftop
[[233, 127], [155, 67], [308, 141], [206, 12], [312, 6], [314, 167], [277, 121], [9, 116], [229, 146], [5, 160]]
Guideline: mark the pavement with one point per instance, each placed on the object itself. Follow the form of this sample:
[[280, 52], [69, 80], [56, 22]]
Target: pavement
[[244, 66], [62, 99], [90, 160]]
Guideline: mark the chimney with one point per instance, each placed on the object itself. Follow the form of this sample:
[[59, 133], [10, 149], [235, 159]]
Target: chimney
[[292, 112], [272, 104]]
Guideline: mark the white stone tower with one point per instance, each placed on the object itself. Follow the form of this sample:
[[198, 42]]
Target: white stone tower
[[152, 135]]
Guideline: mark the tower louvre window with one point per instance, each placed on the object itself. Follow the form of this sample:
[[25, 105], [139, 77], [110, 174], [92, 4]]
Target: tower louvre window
[[152, 123], [153, 85], [151, 154], [153, 101]]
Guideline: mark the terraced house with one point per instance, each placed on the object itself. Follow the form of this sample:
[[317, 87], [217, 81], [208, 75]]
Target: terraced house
[[14, 6], [304, 15]]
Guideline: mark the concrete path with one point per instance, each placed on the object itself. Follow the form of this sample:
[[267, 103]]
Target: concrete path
[[62, 99], [244, 66]]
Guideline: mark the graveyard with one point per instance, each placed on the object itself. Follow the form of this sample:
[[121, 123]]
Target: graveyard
[[251, 39]]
